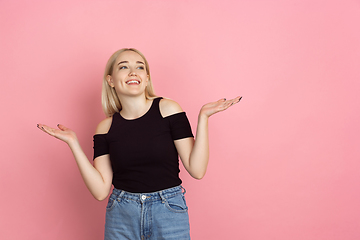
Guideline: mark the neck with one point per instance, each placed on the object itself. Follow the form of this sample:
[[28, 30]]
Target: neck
[[134, 107]]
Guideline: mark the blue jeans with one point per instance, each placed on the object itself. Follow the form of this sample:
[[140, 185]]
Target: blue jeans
[[147, 216]]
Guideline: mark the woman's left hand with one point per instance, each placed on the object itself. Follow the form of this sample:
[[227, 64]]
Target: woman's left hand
[[218, 106]]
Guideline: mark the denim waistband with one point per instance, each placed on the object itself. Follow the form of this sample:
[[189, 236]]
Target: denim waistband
[[152, 196]]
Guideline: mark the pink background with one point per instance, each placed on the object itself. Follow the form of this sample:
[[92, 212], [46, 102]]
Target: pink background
[[284, 162]]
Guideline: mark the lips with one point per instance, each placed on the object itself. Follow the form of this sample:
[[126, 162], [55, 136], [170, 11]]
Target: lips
[[132, 81]]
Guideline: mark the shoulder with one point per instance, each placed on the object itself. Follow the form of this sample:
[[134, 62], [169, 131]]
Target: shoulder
[[169, 107], [104, 126]]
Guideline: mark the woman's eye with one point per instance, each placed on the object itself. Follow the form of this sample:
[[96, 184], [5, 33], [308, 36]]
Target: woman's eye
[[141, 67], [122, 67]]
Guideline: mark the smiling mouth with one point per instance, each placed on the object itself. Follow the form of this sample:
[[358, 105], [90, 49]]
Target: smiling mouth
[[133, 81]]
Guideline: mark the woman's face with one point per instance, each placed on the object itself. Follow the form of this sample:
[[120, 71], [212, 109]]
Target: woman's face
[[129, 76]]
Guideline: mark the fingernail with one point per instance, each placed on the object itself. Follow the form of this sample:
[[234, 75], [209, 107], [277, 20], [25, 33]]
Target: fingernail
[[240, 98]]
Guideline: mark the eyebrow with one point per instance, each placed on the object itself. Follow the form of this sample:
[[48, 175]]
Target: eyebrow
[[128, 62]]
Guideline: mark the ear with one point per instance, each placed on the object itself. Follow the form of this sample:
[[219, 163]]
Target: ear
[[147, 79], [110, 80]]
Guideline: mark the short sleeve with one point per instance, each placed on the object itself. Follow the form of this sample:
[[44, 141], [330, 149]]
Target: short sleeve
[[179, 126], [101, 146]]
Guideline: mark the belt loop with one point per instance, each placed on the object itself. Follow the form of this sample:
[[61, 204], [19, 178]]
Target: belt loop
[[183, 189], [121, 193], [163, 199]]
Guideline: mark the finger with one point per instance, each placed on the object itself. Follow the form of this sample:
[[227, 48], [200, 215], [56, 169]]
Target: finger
[[231, 102], [62, 127], [222, 100], [236, 100], [225, 105], [48, 130], [41, 127]]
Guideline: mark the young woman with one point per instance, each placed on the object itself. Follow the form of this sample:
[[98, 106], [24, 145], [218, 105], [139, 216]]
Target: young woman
[[136, 149]]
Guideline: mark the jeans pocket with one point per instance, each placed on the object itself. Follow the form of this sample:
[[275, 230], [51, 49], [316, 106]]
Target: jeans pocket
[[111, 203], [176, 203]]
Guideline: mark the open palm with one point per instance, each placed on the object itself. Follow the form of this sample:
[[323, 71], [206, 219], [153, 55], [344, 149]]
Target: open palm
[[63, 133], [218, 106]]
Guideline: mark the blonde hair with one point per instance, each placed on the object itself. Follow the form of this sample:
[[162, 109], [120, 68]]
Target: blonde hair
[[109, 98]]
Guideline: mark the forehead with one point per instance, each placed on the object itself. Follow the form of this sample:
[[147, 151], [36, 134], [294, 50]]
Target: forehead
[[129, 56]]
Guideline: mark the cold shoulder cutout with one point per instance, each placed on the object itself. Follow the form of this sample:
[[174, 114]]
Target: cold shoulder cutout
[[104, 126], [169, 107]]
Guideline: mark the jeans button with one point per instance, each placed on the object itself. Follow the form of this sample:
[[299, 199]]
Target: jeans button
[[143, 197]]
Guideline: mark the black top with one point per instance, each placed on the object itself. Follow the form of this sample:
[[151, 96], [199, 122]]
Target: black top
[[142, 151]]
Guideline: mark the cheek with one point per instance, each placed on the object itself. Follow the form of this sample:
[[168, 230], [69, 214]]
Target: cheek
[[144, 76], [120, 76]]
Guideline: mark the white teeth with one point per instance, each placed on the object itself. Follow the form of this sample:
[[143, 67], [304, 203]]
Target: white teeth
[[133, 81]]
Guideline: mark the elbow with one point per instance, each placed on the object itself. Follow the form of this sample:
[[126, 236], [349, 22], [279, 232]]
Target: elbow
[[198, 176], [100, 197]]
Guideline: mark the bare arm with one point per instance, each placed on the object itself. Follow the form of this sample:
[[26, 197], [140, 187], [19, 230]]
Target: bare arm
[[97, 178], [194, 154]]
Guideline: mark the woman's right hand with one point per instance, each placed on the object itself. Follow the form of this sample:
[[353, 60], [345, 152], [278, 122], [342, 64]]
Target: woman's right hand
[[63, 133]]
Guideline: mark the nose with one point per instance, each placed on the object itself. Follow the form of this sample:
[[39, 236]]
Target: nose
[[132, 73]]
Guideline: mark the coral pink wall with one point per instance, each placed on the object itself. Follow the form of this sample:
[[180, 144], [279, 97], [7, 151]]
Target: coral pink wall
[[284, 162]]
